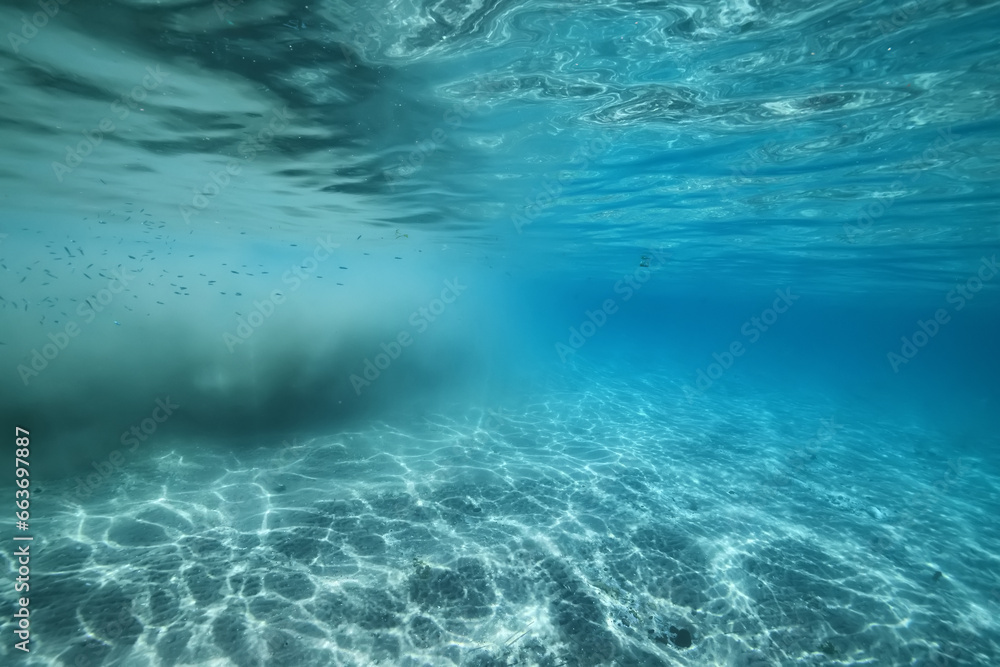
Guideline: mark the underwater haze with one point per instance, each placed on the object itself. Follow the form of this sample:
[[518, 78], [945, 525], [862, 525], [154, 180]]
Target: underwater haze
[[443, 333]]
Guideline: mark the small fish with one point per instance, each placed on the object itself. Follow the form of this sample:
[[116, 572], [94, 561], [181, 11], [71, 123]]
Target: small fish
[[67, 251], [118, 323]]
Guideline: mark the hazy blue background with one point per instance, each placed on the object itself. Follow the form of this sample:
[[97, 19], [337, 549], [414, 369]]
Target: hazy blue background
[[746, 141]]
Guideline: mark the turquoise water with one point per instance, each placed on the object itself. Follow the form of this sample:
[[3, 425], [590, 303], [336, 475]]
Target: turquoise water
[[502, 333]]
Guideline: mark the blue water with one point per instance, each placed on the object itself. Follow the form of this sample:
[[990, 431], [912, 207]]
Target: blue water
[[501, 333]]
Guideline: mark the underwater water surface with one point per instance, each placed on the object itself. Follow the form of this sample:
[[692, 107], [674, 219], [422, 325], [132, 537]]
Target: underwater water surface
[[500, 332]]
